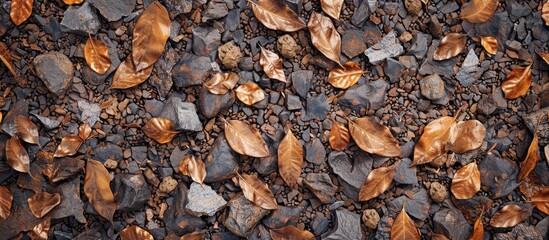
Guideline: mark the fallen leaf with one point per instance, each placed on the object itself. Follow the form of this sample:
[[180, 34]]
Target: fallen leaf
[[69, 146], [20, 10], [466, 136], [71, 2], [517, 83], [403, 227], [257, 191], [42, 203], [541, 200], [126, 76], [193, 236], [97, 189], [41, 231], [372, 137], [339, 136], [290, 159], [6, 199], [324, 36], [466, 182], [450, 46], [531, 159], [479, 11], [26, 130], [150, 34], [530, 185], [17, 156], [436, 236], [6, 59], [97, 55], [84, 131], [332, 7], [249, 93], [478, 229], [432, 142], [291, 233], [134, 233], [272, 65], [245, 139], [545, 13], [425, 2], [345, 76], [490, 44], [194, 168], [221, 83], [276, 15], [160, 129], [545, 57], [378, 181], [510, 216]]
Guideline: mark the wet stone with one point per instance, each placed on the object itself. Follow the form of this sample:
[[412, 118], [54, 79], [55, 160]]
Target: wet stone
[[56, 71], [520, 232], [351, 173], [469, 71], [432, 87], [80, 20], [317, 108], [394, 69], [499, 176], [216, 9], [89, 112], [269, 164], [162, 80], [369, 95], [232, 20], [284, 216], [405, 174], [242, 216], [202, 200], [113, 11], [183, 115], [451, 223], [131, 191], [222, 162], [472, 207], [190, 70], [205, 40], [346, 226], [389, 46], [353, 43], [177, 218], [417, 207], [315, 151], [321, 185], [301, 82]]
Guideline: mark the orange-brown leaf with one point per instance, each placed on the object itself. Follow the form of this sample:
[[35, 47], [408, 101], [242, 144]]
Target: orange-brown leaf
[[530, 185], [339, 136], [510, 216], [42, 203], [257, 191], [517, 83], [272, 65], [450, 46], [193, 236], [160, 129], [466, 182], [6, 59], [194, 168], [135, 233], [545, 13], [373, 137], [324, 36], [17, 156], [126, 76], [69, 146], [26, 130], [84, 131], [20, 10], [249, 93], [41, 231], [245, 139], [466, 136], [291, 233], [332, 7], [150, 34], [97, 189], [6, 199], [276, 15], [71, 2], [531, 159], [545, 57], [490, 44], [97, 56], [377, 182], [433, 141], [345, 76], [478, 229], [290, 159], [541, 200], [403, 227], [221, 83], [479, 11]]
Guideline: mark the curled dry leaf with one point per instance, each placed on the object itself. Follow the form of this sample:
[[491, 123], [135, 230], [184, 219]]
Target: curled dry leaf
[[545, 13], [324, 36], [257, 191], [249, 93], [134, 233], [20, 10], [466, 136], [6, 59], [291, 233], [433, 141], [332, 7], [276, 15], [97, 189], [517, 83], [403, 227], [378, 181], [490, 44], [221, 83], [26, 130], [510, 216], [272, 65], [42, 203], [466, 182], [290, 159], [97, 55], [126, 76], [69, 146], [193, 236], [84, 131], [541, 200], [531, 159], [6, 199], [450, 46], [339, 136], [345, 76], [194, 168], [160, 129], [17, 156], [479, 11], [41, 231], [245, 139], [372, 137], [150, 34], [478, 229], [70, 2]]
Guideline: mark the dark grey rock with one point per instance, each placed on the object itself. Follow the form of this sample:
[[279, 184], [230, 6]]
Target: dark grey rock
[[269, 164], [432, 87], [205, 40], [295, 5], [232, 21], [21, 217], [518, 10], [183, 114], [162, 80], [346, 226], [317, 108], [176, 156], [56, 71], [389, 46], [321, 185], [452, 224], [216, 9], [393, 69], [89, 112], [469, 71], [351, 173], [405, 173], [320, 224], [190, 70], [8, 122], [472, 208], [71, 204], [202, 200], [222, 163], [51, 26], [361, 14], [176, 7], [105, 151], [177, 218], [499, 26], [210, 105], [417, 207], [499, 176], [48, 123], [301, 82], [522, 231], [114, 10], [420, 45], [293, 102], [315, 152], [80, 20], [131, 191], [353, 42], [242, 216], [430, 66], [543, 228], [537, 122], [369, 95], [284, 216]]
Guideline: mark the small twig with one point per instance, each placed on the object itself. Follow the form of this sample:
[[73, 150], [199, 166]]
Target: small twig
[[489, 151]]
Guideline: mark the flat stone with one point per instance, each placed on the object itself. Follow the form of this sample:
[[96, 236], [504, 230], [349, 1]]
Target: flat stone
[[216, 9], [472, 207], [176, 7], [242, 216], [469, 71], [317, 108], [177, 217], [420, 45], [80, 20], [353, 42], [321, 185], [538, 122], [319, 224], [269, 164], [430, 66], [499, 26], [451, 224], [47, 122], [346, 226], [301, 82], [8, 122], [284, 216], [499, 176], [114, 11], [89, 112], [522, 231], [222, 162], [315, 151], [543, 228], [361, 14], [202, 200], [232, 21], [351, 173], [518, 10], [190, 70], [131, 191], [432, 87], [210, 105], [393, 69], [205, 40], [56, 71], [293, 102], [365, 96], [21, 217], [417, 206], [71, 204], [389, 46], [183, 114], [63, 168], [405, 173]]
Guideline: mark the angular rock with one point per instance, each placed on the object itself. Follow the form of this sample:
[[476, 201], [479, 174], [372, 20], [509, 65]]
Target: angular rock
[[202, 200], [518, 10], [543, 228], [499, 26], [205, 40], [232, 21], [522, 231], [21, 217], [469, 71], [183, 115], [162, 80], [176, 7], [353, 42], [346, 226], [405, 173], [131, 191], [451, 224], [417, 206], [321, 185], [389, 46], [8, 122], [48, 123], [242, 216], [293, 102], [269, 164], [351, 173], [394, 69], [499, 176], [472, 207], [61, 168], [301, 82], [361, 13], [89, 112], [105, 151], [538, 122], [190, 70], [210, 105], [284, 216], [56, 71], [216, 9], [177, 217], [317, 108], [222, 163], [80, 20], [432, 87], [315, 151], [114, 10], [420, 45], [295, 5], [430, 66], [369, 95], [319, 224]]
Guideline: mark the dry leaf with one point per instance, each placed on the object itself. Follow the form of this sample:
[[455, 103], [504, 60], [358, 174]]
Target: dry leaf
[[479, 11], [6, 59], [403, 227], [257, 191], [42, 203], [339, 136], [332, 7], [290, 159], [517, 83], [6, 199], [450, 46], [160, 129], [545, 57], [545, 13], [249, 93], [531, 159], [291, 233], [530, 185], [84, 131], [433, 141], [378, 181], [194, 168], [150, 34], [466, 136], [69, 146], [71, 2], [510, 216], [221, 83], [135, 233], [345, 76], [478, 229], [97, 189], [17, 156], [541, 200], [272, 65], [245, 139], [97, 55], [193, 236], [41, 231], [490, 44], [20, 10], [26, 130], [276, 15], [466, 182], [372, 137], [324, 36], [436, 236], [126, 76]]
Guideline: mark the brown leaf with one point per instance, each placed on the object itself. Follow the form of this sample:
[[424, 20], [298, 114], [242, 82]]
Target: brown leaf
[[436, 236], [545, 57], [272, 65], [466, 136], [545, 13], [20, 10], [332, 7], [478, 229], [324, 36], [160, 129], [17, 156], [291, 233], [26, 130], [194, 168], [41, 231], [510, 216], [372, 137], [276, 15], [403, 227], [290, 159], [490, 44], [69, 146], [6, 199], [378, 181], [517, 83], [221, 83], [6, 59], [97, 189], [530, 185], [541, 200], [84, 131], [432, 142], [245, 139], [450, 46], [531, 159], [135, 233], [257, 191], [466, 182], [42, 203], [249, 93], [150, 34], [71, 2], [345, 76], [339, 136], [126, 76], [193, 236], [97, 55], [479, 11]]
